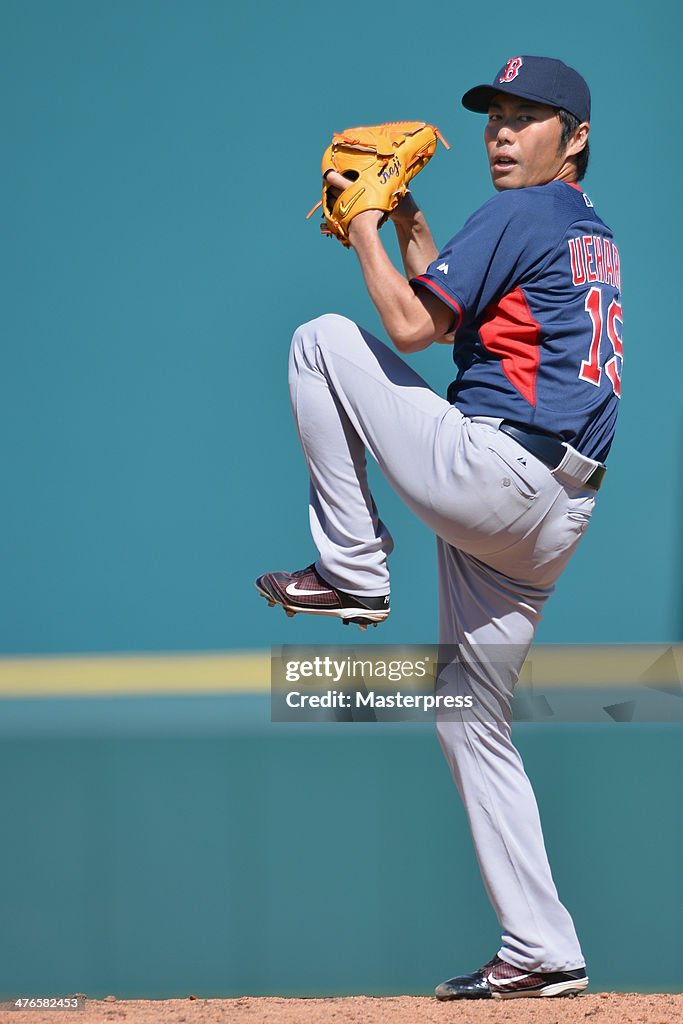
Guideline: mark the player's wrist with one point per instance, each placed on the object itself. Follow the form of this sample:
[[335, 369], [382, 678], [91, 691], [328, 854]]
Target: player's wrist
[[364, 226], [406, 210]]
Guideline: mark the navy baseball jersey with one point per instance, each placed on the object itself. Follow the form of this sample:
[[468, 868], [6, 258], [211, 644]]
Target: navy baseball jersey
[[534, 280]]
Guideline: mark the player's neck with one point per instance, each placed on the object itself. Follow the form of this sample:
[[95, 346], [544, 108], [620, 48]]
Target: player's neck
[[567, 173]]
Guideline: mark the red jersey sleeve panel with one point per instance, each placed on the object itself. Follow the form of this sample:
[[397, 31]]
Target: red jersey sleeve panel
[[509, 330]]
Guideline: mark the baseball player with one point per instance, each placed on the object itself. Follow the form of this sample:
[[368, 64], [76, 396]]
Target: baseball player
[[505, 470]]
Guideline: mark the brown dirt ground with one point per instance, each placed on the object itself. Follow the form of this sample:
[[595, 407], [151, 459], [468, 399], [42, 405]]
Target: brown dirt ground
[[602, 1008]]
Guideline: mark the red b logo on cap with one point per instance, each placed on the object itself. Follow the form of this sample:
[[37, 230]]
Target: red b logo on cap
[[511, 69]]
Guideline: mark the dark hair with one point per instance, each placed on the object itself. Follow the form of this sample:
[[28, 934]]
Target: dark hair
[[569, 124]]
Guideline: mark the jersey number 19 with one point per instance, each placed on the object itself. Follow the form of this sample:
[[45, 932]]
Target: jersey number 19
[[591, 368]]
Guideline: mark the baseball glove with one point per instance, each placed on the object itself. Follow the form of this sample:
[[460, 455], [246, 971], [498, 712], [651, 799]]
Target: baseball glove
[[379, 161]]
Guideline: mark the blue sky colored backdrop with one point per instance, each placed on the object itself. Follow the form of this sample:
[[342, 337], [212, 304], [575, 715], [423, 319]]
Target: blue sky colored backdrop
[[158, 160]]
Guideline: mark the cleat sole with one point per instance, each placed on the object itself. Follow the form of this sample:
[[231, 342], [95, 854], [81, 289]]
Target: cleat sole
[[561, 989]]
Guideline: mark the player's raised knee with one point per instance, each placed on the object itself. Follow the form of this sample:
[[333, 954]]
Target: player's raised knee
[[321, 328]]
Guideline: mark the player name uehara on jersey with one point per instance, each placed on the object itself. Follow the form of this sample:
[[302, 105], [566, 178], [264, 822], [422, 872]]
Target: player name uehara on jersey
[[594, 258], [534, 280]]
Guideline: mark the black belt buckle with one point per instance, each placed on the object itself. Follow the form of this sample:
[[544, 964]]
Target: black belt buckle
[[547, 448]]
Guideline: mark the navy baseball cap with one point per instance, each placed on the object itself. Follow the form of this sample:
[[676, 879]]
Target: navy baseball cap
[[541, 79]]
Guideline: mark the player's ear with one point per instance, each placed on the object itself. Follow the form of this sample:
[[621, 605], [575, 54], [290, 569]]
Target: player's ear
[[578, 139]]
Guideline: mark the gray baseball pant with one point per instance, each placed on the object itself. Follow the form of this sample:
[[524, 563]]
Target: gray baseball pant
[[506, 527]]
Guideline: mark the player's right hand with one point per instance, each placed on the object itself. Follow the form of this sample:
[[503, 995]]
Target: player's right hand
[[336, 183]]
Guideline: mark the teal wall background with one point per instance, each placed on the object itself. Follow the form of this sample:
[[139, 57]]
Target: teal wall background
[[172, 846], [150, 469]]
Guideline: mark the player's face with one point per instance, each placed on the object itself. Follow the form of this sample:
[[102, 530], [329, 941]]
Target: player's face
[[523, 143]]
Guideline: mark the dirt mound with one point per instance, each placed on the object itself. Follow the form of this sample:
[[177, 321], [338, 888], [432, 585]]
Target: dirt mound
[[602, 1008]]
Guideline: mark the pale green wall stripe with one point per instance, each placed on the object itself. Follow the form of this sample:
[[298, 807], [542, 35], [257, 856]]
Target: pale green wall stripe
[[107, 675], [249, 671]]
